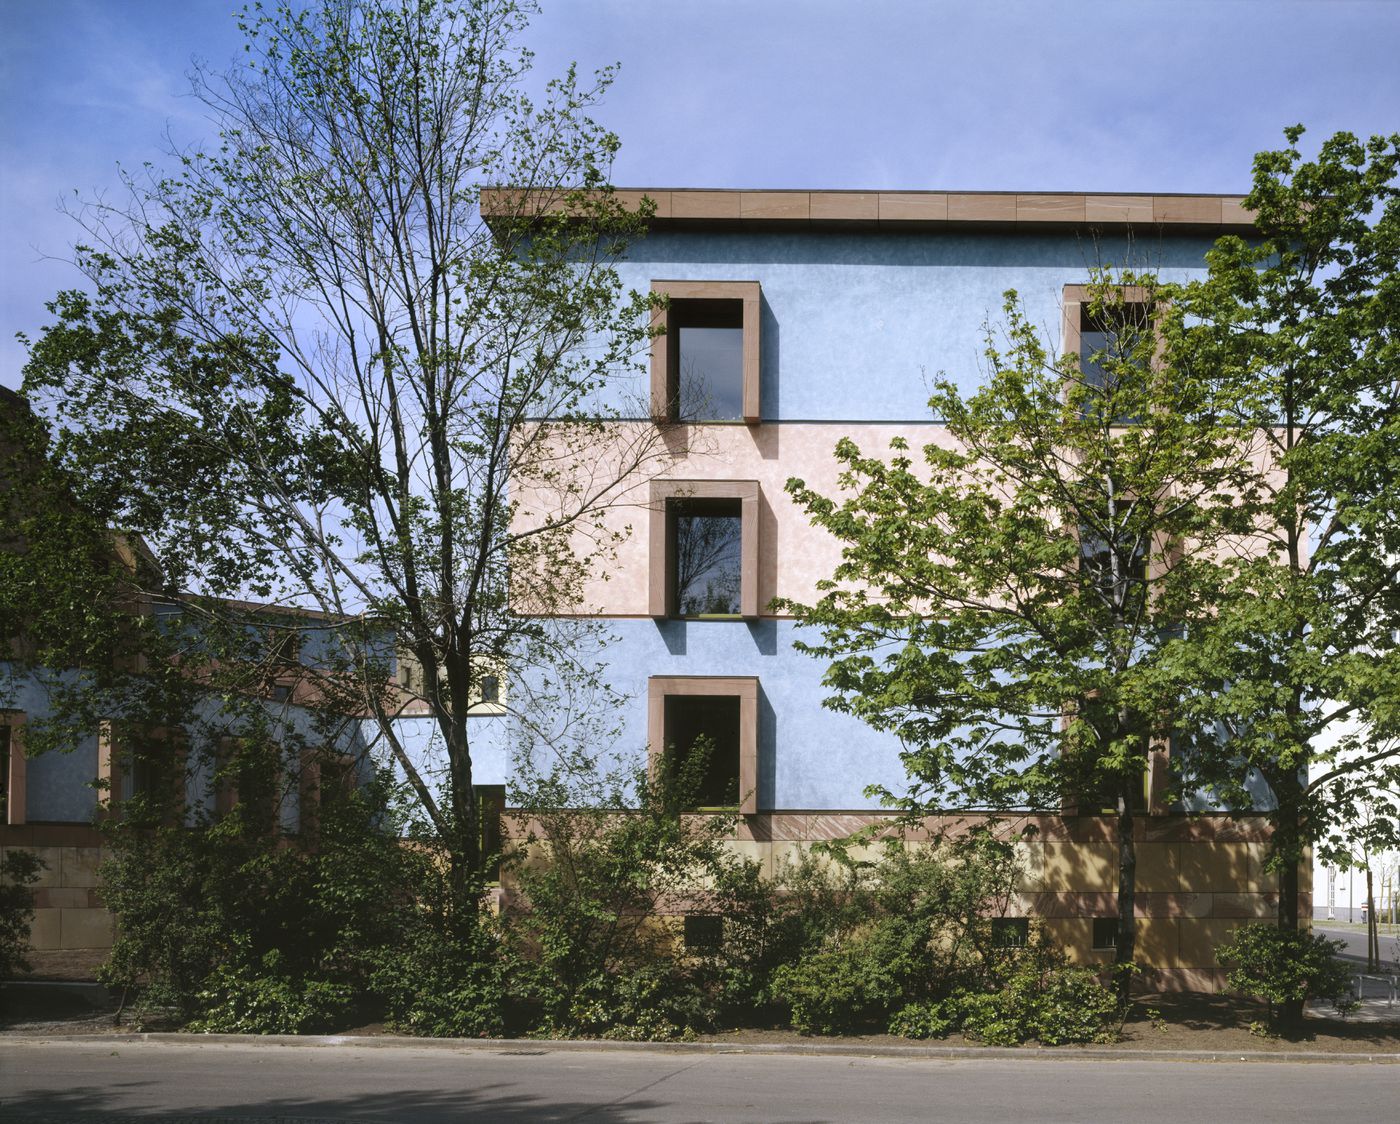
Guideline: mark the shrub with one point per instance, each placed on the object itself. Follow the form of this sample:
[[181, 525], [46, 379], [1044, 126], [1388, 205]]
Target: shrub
[[229, 924], [845, 986], [602, 880], [909, 932], [443, 981], [260, 999], [19, 870], [1035, 996], [1285, 967], [925, 1020]]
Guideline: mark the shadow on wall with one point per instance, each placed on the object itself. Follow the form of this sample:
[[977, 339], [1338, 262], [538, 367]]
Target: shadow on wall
[[767, 742], [672, 635], [1144, 248], [770, 374]]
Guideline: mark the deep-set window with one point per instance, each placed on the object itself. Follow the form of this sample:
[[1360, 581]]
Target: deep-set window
[[1116, 570], [4, 772], [706, 557], [709, 360], [704, 549], [702, 747], [705, 359], [703, 932], [707, 727], [1110, 338], [1010, 932]]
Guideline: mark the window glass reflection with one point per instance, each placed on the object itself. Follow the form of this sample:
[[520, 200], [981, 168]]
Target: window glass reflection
[[711, 373], [707, 541]]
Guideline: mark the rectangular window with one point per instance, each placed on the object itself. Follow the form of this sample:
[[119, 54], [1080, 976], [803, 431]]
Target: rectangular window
[[1010, 932], [704, 932], [702, 747], [155, 774], [1105, 933], [1110, 346], [1116, 570], [13, 768], [709, 360], [705, 361], [704, 549], [1095, 790], [724, 711], [1110, 334], [249, 779], [490, 807], [706, 544], [4, 773]]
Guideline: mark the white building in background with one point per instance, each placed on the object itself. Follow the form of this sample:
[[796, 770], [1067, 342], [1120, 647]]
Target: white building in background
[[1339, 893]]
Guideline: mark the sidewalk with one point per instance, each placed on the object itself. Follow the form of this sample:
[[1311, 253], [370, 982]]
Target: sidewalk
[[539, 1047]]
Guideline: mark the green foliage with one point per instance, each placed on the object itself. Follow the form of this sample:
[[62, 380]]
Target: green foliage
[[1039, 998], [229, 924], [912, 952], [1285, 968], [275, 413], [913, 928], [926, 1019], [447, 978], [19, 870], [240, 998], [1299, 328], [992, 605], [609, 861]]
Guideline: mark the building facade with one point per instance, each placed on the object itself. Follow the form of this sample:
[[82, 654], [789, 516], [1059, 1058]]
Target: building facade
[[799, 318]]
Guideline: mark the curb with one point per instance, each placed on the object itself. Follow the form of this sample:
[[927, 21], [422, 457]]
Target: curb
[[530, 1047]]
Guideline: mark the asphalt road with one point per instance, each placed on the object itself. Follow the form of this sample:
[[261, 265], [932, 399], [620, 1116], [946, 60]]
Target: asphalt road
[[75, 1080], [1355, 942]]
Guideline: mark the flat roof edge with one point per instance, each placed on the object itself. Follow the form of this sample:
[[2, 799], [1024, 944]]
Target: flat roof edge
[[699, 207]]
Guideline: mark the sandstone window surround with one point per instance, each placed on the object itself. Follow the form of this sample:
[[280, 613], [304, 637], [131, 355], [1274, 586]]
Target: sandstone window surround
[[717, 307], [668, 497], [741, 688]]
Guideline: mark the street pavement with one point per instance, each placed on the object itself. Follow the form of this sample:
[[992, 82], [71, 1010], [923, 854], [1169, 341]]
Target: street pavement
[[1354, 941], [73, 1079]]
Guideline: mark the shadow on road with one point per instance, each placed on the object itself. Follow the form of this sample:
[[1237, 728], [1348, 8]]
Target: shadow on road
[[124, 1101]]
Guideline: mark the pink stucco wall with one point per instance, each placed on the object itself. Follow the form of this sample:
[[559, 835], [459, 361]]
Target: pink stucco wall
[[769, 454]]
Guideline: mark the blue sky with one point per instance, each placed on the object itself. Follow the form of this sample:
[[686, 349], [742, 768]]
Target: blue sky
[[1123, 95]]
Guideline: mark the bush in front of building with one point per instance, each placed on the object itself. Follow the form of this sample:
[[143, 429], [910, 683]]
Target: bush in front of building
[[1286, 968], [600, 884], [19, 870], [227, 925], [917, 951]]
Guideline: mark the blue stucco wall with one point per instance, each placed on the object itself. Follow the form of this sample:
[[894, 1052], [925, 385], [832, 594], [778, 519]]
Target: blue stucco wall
[[808, 757], [856, 325], [58, 785]]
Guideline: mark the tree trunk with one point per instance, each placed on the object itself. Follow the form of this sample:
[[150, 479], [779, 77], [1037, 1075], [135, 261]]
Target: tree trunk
[[1126, 944], [1287, 852], [1373, 935], [464, 847]]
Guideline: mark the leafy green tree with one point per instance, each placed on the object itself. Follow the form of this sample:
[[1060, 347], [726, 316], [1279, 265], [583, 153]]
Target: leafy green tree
[[311, 366], [1005, 597], [1299, 328], [19, 870]]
